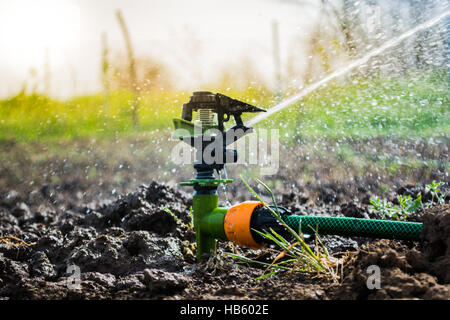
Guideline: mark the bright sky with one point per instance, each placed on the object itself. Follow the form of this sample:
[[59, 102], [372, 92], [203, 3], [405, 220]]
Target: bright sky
[[68, 32]]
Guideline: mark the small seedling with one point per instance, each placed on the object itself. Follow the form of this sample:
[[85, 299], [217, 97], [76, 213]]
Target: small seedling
[[382, 207], [407, 206], [436, 193]]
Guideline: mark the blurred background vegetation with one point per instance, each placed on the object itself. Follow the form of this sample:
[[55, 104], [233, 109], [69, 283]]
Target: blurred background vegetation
[[403, 91], [397, 101], [414, 105]]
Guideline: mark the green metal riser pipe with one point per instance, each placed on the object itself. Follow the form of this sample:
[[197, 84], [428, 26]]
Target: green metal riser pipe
[[208, 222]]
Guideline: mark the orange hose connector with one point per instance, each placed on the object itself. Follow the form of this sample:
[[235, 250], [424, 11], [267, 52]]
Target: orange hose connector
[[237, 224]]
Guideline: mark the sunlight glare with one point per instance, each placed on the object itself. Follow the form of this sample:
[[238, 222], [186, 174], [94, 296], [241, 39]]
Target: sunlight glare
[[28, 28]]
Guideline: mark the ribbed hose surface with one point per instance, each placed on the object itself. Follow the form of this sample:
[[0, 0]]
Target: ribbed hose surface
[[356, 227]]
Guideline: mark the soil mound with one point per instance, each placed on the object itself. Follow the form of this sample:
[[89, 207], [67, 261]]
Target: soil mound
[[406, 270]]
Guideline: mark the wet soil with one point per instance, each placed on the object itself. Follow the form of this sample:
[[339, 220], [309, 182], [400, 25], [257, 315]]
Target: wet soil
[[75, 223], [58, 244]]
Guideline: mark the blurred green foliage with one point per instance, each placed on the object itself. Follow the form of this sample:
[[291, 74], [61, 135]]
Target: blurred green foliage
[[416, 105], [413, 105]]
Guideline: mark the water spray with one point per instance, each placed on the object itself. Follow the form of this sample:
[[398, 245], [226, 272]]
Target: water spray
[[347, 68], [239, 223]]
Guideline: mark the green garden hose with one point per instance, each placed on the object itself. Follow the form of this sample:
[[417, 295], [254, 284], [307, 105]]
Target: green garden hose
[[371, 228]]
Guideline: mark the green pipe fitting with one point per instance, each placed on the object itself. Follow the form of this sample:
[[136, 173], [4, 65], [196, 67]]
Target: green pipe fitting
[[208, 222]]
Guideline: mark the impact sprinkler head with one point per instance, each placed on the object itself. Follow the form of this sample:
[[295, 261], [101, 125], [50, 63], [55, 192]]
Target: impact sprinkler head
[[207, 130]]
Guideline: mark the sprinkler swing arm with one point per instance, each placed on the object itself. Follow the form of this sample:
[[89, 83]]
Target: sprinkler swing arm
[[237, 223]]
